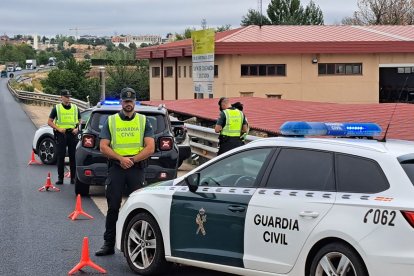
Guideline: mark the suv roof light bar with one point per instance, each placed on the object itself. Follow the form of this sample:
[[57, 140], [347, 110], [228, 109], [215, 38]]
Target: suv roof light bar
[[295, 128]]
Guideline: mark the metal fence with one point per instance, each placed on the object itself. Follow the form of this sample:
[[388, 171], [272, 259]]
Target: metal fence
[[42, 98], [204, 141]]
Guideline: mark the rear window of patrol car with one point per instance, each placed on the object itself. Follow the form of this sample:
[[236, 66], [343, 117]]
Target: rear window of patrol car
[[407, 163], [157, 121]]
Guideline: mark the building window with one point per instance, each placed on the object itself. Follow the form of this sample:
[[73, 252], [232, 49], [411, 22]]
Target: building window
[[179, 71], [156, 72], [274, 96], [215, 71], [405, 70], [185, 71], [263, 70], [246, 94], [190, 71], [168, 72], [340, 69]]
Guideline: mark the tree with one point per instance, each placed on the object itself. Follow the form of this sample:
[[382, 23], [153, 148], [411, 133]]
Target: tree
[[72, 75], [254, 17], [382, 12], [285, 12], [185, 35], [313, 15], [223, 28], [122, 73], [132, 45]]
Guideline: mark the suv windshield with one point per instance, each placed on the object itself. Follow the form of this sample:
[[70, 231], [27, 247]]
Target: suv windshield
[[157, 121]]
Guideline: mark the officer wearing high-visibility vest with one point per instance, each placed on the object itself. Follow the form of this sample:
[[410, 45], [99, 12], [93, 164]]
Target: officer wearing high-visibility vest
[[231, 125], [65, 119], [127, 140]]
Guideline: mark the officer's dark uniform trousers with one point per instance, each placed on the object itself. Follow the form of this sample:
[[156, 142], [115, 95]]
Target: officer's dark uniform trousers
[[227, 143], [68, 140], [117, 176]]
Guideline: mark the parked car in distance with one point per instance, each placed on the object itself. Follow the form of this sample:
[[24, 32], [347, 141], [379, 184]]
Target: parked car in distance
[[3, 74], [18, 68], [182, 139], [44, 144]]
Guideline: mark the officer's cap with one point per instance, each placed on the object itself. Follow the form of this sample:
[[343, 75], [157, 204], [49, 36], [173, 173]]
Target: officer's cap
[[128, 94], [65, 93]]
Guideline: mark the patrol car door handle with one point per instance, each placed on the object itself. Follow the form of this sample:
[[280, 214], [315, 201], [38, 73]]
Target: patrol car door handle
[[236, 208], [309, 214]]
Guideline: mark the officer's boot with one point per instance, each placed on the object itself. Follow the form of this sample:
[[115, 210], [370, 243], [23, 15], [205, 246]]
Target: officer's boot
[[59, 182], [106, 249]]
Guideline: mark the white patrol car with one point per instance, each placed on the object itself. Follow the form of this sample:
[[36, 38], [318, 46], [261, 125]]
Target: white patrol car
[[282, 206]]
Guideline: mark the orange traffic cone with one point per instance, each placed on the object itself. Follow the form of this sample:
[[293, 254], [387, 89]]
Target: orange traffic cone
[[33, 160], [78, 210], [85, 259], [48, 185]]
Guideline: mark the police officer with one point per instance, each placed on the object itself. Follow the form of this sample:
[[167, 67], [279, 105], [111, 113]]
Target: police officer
[[239, 106], [231, 125], [65, 119], [127, 140]]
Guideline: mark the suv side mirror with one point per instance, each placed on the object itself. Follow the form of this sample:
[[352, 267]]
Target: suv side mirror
[[193, 181]]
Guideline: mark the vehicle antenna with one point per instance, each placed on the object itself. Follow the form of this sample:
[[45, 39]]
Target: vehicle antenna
[[384, 139]]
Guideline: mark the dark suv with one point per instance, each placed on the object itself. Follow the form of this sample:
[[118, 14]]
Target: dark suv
[[91, 164]]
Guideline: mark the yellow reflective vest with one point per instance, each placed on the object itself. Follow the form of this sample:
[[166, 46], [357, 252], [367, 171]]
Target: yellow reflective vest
[[66, 118], [127, 137], [234, 123]]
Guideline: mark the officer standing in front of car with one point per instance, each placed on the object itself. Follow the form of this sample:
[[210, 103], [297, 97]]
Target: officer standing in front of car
[[231, 125], [65, 119], [127, 140]]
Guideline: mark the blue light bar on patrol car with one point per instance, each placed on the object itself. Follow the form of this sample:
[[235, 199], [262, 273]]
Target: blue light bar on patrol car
[[110, 102], [330, 129]]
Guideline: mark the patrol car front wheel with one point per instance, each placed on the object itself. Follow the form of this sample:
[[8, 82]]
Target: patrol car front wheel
[[337, 259], [47, 151], [144, 246]]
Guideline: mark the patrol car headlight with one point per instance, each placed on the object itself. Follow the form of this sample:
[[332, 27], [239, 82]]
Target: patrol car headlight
[[330, 129]]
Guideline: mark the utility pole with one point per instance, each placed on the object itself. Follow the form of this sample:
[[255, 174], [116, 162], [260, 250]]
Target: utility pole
[[260, 7], [102, 82], [203, 23]]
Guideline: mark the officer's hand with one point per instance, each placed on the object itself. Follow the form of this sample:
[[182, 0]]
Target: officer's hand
[[126, 163], [75, 131], [61, 130]]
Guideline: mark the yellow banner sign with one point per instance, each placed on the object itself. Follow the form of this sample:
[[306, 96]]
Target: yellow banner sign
[[203, 42]]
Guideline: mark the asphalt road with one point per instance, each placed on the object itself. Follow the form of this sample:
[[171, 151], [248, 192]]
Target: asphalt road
[[36, 236]]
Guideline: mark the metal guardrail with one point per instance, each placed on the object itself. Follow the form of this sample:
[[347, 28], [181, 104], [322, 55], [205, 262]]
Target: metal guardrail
[[42, 98], [204, 141]]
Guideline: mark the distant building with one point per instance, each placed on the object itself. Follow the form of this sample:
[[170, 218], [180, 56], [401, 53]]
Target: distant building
[[137, 40], [338, 64]]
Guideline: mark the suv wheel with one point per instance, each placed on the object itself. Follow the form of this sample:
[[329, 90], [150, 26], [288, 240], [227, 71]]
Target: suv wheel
[[81, 188], [144, 246], [337, 259], [47, 151]]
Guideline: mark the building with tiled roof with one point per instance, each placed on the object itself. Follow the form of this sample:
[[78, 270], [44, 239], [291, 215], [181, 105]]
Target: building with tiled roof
[[338, 64]]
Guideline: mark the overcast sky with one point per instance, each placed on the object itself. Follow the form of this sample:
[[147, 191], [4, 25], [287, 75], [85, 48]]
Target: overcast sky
[[111, 17]]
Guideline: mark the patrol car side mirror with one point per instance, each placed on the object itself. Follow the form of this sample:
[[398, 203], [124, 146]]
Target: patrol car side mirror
[[193, 181]]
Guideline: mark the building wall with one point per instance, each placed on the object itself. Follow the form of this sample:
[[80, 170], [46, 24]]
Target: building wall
[[301, 82]]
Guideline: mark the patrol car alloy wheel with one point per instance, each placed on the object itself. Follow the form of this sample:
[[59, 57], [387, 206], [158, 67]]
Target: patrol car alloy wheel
[[47, 151], [337, 259], [143, 245]]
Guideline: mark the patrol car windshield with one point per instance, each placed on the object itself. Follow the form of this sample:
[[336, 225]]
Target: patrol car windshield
[[408, 167], [157, 121]]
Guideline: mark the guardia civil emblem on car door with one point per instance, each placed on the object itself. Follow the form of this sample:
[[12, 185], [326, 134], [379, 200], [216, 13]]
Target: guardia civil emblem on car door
[[200, 220]]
